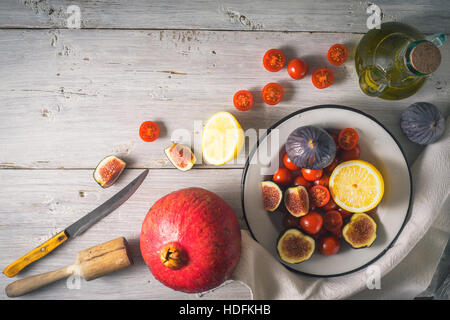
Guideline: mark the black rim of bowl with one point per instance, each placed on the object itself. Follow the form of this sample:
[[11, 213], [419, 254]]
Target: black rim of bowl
[[255, 148]]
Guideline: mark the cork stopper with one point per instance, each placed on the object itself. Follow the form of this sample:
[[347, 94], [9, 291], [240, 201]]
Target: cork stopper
[[425, 57]]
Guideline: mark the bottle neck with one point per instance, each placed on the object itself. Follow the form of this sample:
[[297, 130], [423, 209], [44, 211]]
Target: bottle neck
[[421, 58]]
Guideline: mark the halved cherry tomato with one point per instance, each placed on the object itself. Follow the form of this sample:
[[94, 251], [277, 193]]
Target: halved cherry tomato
[[289, 164], [274, 60], [272, 93], [353, 154], [301, 181], [332, 220], [290, 221], [149, 131], [312, 222], [243, 100], [332, 166], [337, 54], [323, 181], [331, 205], [311, 175], [283, 176], [329, 245], [322, 78], [319, 195], [348, 138], [297, 68]]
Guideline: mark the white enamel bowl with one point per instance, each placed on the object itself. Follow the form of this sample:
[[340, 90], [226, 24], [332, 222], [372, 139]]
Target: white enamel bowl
[[378, 147]]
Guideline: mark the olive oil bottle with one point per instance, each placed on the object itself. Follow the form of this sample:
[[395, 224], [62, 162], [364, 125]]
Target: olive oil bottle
[[394, 62]]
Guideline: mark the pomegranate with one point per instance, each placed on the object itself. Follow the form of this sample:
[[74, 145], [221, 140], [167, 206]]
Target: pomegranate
[[190, 240]]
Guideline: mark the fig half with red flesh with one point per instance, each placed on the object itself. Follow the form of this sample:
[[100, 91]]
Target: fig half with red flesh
[[272, 195], [181, 156], [108, 171], [296, 201]]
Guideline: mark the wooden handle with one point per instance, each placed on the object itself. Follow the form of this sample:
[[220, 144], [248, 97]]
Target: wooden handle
[[24, 286], [35, 254]]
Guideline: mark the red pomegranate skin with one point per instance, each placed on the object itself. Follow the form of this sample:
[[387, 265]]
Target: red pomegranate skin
[[205, 226]]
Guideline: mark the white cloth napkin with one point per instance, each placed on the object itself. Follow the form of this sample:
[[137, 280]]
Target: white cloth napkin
[[405, 272]]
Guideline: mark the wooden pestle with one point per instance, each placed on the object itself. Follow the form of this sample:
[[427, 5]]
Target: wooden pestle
[[90, 264]]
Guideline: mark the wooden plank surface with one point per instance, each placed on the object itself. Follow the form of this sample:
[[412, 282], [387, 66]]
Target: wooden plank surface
[[282, 15], [74, 97], [37, 204]]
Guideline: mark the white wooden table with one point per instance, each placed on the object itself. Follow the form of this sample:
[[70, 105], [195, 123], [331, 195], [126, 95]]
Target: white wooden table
[[71, 97]]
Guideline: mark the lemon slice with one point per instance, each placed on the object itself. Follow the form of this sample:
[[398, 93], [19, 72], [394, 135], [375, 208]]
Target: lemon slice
[[356, 186], [222, 138]]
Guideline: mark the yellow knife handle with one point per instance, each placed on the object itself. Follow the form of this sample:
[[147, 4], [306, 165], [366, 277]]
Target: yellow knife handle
[[35, 254]]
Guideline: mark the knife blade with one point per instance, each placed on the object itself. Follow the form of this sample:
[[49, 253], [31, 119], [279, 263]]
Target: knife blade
[[76, 228]]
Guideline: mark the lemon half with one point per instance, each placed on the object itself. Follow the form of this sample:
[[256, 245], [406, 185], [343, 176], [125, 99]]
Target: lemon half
[[222, 138], [356, 186]]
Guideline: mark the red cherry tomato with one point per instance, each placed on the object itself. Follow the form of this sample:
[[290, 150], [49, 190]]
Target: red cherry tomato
[[329, 245], [149, 131], [297, 69], [322, 78], [332, 220], [274, 60], [312, 222], [337, 54], [312, 175], [272, 93], [345, 214], [243, 100], [323, 181], [319, 195], [332, 166], [301, 181], [289, 164], [331, 205], [348, 138], [283, 176], [290, 221], [353, 154]]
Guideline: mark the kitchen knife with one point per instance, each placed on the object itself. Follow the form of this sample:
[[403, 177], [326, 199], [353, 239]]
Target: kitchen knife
[[76, 228]]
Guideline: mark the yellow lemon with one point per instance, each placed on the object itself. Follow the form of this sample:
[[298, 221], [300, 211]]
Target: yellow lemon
[[222, 138], [356, 186]]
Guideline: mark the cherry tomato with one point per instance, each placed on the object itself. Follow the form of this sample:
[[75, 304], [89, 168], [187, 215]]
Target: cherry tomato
[[348, 138], [353, 154], [323, 181], [149, 131], [345, 214], [274, 60], [337, 54], [297, 69], [332, 166], [301, 181], [290, 221], [312, 175], [329, 245], [331, 205], [289, 164], [332, 220], [272, 93], [319, 195], [322, 78], [243, 100], [283, 176], [312, 222]]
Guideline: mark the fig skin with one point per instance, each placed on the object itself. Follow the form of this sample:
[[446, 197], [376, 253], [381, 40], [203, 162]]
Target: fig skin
[[303, 198], [265, 185], [307, 243], [108, 171], [355, 225]]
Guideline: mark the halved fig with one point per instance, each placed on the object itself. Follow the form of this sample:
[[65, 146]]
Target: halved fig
[[294, 247], [108, 170], [296, 201], [181, 156], [272, 195], [361, 231]]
